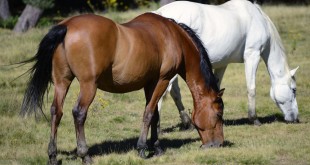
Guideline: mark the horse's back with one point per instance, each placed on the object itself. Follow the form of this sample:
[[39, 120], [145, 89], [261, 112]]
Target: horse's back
[[224, 29]]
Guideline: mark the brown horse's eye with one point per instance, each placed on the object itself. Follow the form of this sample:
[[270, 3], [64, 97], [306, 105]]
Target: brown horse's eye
[[219, 115], [220, 103], [220, 109]]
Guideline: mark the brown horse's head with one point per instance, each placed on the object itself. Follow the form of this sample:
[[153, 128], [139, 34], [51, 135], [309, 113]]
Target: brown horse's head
[[208, 120], [208, 103]]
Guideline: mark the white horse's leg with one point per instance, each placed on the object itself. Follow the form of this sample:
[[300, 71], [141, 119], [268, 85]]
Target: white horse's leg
[[176, 95], [251, 60], [219, 73], [160, 102]]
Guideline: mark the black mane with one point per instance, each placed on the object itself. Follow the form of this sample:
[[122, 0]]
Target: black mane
[[205, 64]]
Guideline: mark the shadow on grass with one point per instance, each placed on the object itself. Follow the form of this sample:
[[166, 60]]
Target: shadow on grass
[[108, 147], [173, 128], [123, 146], [228, 144], [235, 122], [264, 120]]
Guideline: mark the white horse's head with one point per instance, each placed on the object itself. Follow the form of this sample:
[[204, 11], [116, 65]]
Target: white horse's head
[[284, 95]]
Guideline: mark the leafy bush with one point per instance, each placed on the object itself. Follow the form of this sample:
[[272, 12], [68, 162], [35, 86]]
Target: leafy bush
[[8, 23], [45, 22]]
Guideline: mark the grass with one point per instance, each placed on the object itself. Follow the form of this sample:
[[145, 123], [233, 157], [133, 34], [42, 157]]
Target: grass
[[114, 120]]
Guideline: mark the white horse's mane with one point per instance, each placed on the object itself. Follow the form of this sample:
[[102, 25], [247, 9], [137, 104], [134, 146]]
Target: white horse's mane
[[275, 39], [275, 36]]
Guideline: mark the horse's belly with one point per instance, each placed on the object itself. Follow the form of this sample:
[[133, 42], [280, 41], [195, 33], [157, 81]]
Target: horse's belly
[[120, 88], [115, 86], [223, 54], [122, 80]]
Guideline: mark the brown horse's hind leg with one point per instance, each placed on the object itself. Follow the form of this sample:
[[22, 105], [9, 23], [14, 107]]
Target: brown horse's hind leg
[[61, 89], [86, 96], [151, 117]]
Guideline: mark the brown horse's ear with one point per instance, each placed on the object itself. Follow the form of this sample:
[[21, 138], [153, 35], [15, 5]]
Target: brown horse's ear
[[221, 92]]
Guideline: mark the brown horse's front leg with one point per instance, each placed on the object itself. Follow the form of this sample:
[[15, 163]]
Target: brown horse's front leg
[[141, 145], [151, 116], [154, 133], [79, 113], [149, 120]]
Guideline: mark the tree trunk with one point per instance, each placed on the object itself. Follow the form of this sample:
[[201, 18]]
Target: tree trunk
[[4, 10], [28, 19], [165, 2]]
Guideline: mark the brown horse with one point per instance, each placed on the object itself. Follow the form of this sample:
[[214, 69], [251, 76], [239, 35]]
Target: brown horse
[[143, 53]]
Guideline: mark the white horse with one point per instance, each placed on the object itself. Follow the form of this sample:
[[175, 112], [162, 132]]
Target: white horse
[[235, 32]]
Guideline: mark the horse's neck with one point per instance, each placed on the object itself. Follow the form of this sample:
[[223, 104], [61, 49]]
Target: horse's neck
[[201, 92], [275, 58], [273, 53]]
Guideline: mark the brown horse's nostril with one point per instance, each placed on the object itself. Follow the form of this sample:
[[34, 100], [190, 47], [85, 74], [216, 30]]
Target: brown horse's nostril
[[211, 145]]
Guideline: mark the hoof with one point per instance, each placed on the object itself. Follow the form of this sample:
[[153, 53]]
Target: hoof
[[256, 122], [52, 161], [141, 153], [293, 122], [187, 127], [87, 160], [186, 122], [158, 151]]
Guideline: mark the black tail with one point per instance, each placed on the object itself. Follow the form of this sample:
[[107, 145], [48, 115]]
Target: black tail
[[41, 71], [205, 64]]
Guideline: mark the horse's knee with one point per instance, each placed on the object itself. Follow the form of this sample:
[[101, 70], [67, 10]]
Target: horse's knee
[[53, 110], [56, 111], [147, 118], [251, 93], [56, 114], [79, 115]]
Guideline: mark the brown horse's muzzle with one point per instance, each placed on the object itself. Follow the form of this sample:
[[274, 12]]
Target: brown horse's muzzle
[[210, 130], [215, 144], [212, 138]]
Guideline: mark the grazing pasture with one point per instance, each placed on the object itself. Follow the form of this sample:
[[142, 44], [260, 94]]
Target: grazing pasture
[[114, 120]]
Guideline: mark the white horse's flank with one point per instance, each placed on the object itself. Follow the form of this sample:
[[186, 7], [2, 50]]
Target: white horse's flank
[[235, 32]]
